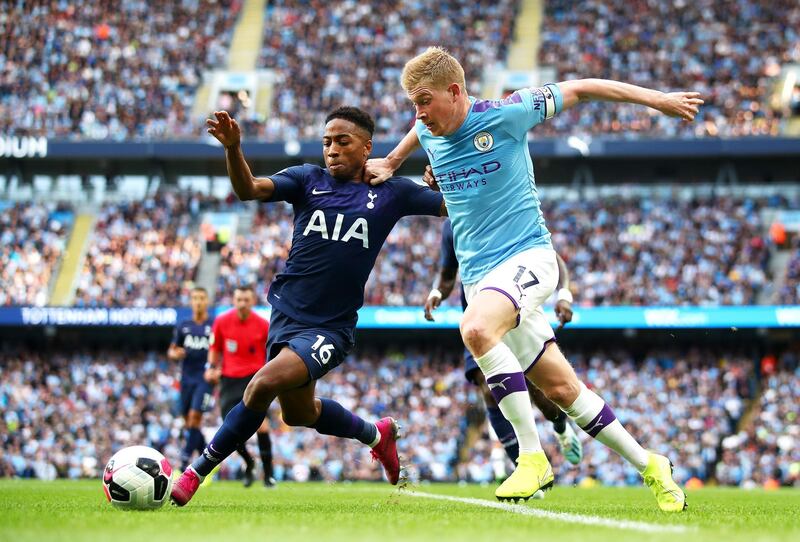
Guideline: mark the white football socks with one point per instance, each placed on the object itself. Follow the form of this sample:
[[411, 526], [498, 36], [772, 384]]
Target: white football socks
[[507, 383], [592, 414]]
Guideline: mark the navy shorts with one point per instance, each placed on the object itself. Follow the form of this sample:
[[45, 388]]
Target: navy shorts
[[470, 366], [320, 348], [196, 395]]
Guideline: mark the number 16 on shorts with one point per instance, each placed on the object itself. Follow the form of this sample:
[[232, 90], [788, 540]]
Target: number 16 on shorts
[[322, 352]]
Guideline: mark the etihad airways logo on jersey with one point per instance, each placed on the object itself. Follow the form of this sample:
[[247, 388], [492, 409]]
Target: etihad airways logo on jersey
[[357, 230], [466, 178]]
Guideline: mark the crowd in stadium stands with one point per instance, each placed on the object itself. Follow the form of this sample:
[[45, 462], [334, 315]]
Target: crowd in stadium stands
[[790, 293], [65, 414], [704, 46], [344, 52], [32, 239], [116, 70], [705, 251], [130, 70], [767, 451], [620, 251], [642, 251], [142, 253]]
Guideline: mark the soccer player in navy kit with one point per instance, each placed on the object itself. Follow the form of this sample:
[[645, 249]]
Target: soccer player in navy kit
[[340, 226], [444, 284], [190, 345]]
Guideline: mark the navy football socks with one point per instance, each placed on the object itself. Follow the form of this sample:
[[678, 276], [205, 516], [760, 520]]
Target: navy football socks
[[504, 431], [337, 421], [194, 441], [240, 424]]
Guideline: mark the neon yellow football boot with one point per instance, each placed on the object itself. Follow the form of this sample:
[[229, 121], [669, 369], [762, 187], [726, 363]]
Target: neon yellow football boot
[[658, 477], [533, 473]]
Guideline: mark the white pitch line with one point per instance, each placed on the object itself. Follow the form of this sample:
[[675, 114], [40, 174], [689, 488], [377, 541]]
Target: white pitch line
[[557, 516]]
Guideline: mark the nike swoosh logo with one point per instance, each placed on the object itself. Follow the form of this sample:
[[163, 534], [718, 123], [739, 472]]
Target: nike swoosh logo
[[316, 192]]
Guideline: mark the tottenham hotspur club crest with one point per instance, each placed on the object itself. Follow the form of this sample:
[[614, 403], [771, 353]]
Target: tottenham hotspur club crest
[[371, 196], [483, 141]]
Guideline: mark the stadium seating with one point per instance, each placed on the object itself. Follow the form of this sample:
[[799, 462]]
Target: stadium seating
[[701, 46], [109, 70], [685, 404], [342, 52], [32, 239], [142, 254]]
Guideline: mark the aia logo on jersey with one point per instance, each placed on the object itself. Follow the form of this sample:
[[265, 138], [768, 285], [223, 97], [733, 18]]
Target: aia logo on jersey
[[483, 141], [359, 229]]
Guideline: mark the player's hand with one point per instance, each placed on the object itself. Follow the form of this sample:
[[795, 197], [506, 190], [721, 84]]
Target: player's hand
[[225, 129], [680, 104], [430, 179], [377, 171], [212, 375], [563, 312], [431, 304], [178, 352]]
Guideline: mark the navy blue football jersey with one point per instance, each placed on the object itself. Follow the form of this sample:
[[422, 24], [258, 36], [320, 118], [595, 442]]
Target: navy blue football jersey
[[194, 338], [339, 228], [447, 259]]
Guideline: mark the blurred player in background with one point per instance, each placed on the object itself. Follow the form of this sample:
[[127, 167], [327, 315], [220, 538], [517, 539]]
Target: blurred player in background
[[189, 345], [340, 226], [444, 284], [479, 153], [238, 351]]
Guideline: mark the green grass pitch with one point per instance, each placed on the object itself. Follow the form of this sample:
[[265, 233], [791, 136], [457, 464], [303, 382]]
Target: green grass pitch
[[316, 512]]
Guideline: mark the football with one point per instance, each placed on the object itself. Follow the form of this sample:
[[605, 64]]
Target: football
[[137, 478]]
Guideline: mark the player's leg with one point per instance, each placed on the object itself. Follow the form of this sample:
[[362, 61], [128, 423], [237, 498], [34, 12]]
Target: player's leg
[[501, 426], [283, 373], [300, 407], [491, 313], [555, 377], [231, 393], [185, 408], [265, 451], [201, 401], [568, 441]]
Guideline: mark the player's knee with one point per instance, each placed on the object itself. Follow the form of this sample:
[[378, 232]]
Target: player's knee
[[563, 393], [262, 388], [193, 419], [476, 336]]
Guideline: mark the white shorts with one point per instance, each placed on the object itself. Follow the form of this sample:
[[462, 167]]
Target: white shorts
[[528, 279]]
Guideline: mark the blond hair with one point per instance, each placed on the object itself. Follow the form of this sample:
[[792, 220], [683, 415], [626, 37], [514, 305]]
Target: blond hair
[[435, 67]]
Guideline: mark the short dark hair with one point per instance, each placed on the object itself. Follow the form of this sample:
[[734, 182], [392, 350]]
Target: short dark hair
[[200, 289], [357, 116], [244, 288]]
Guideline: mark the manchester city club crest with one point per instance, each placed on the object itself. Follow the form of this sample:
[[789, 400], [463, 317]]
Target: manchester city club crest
[[483, 141]]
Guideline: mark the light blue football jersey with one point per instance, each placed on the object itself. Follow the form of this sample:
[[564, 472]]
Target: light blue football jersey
[[485, 172]]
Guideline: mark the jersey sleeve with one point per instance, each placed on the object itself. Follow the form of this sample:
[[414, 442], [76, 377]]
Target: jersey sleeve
[[177, 335], [288, 184], [417, 199], [528, 107], [216, 339], [447, 259]]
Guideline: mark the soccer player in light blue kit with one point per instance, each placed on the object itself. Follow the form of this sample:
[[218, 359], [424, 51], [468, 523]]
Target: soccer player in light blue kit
[[479, 153]]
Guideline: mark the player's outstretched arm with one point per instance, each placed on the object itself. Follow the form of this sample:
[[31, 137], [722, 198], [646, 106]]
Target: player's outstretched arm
[[247, 187], [675, 104], [379, 170]]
